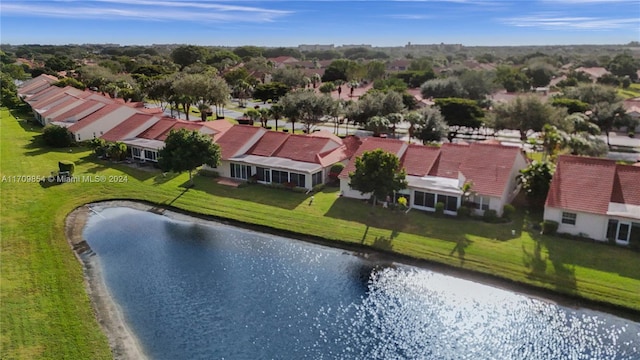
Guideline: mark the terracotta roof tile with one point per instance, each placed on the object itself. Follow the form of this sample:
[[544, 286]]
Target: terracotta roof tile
[[161, 129], [626, 185], [236, 138], [84, 109], [372, 143], [104, 111], [125, 128], [448, 163], [269, 143], [489, 166], [582, 184], [418, 159], [305, 148]]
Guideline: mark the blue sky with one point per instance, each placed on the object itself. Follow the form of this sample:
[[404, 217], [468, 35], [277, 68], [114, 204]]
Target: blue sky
[[289, 23]]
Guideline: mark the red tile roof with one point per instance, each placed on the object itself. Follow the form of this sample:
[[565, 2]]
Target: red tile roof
[[236, 138], [582, 184], [418, 159], [219, 126], [72, 114], [489, 167], [448, 163], [372, 143], [104, 111], [269, 143], [161, 129], [626, 185], [306, 148], [125, 128]]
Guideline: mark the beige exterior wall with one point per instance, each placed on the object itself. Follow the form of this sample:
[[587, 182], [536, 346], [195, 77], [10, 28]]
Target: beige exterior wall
[[589, 225]]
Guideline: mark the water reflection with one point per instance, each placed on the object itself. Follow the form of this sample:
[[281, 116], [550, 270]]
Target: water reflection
[[195, 291]]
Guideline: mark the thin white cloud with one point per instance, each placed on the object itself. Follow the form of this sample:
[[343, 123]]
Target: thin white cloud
[[556, 22], [144, 10], [411, 16], [574, 2]]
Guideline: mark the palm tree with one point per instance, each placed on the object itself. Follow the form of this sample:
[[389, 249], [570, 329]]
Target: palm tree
[[276, 113], [394, 120], [315, 80], [414, 119], [264, 116]]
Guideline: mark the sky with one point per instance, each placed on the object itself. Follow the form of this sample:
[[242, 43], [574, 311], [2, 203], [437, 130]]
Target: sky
[[290, 23]]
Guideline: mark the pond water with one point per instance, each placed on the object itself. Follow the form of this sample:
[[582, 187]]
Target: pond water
[[193, 290]]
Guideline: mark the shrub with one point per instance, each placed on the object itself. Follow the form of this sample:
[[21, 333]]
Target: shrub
[[57, 136], [318, 188], [402, 201], [490, 216], [549, 227], [208, 173], [64, 166], [464, 211], [508, 211], [439, 209]]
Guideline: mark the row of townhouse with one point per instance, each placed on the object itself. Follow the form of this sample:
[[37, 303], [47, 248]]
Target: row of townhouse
[[589, 197]]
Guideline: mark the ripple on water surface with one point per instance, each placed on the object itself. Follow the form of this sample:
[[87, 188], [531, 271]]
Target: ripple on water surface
[[203, 291]]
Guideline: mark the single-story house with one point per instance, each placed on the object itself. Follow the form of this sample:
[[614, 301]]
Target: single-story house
[[33, 86], [437, 174], [270, 157], [595, 198]]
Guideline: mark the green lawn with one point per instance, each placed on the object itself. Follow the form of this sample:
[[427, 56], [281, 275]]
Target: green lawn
[[46, 312], [632, 91]]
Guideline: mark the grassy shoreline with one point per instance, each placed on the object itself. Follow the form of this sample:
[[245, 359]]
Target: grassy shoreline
[[47, 313]]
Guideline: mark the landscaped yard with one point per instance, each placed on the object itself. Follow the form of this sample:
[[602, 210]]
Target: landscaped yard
[[46, 312]]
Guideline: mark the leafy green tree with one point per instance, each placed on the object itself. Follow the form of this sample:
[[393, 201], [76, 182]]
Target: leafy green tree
[[414, 78], [624, 65], [535, 180], [379, 173], [460, 114], [477, 84], [253, 114], [421, 64], [327, 88], [540, 73], [526, 114], [342, 69], [593, 94], [272, 91], [185, 150], [306, 106], [378, 124], [375, 70], [116, 151], [59, 63], [432, 128], [69, 82], [57, 136], [292, 77], [572, 105], [188, 54], [394, 118], [8, 92], [443, 88], [607, 115], [414, 119], [512, 79], [248, 51]]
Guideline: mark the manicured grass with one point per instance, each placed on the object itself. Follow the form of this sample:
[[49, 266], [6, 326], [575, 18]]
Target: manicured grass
[[632, 91], [46, 312]]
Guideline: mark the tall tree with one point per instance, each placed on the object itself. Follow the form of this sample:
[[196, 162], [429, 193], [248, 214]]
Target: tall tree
[[535, 180], [185, 150], [188, 54], [526, 114], [306, 106], [460, 114], [379, 173], [432, 127], [443, 88]]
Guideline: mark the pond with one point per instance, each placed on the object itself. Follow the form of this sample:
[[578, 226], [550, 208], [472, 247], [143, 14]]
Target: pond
[[190, 289]]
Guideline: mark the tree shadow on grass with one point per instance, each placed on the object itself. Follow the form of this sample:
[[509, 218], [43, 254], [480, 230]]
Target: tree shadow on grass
[[562, 271], [460, 249], [421, 223], [253, 193]]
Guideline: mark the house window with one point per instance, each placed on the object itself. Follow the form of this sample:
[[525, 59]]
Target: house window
[[135, 152], [316, 178], [239, 171], [450, 202], [150, 155], [298, 179], [568, 218], [424, 199], [279, 177], [263, 174], [480, 202]]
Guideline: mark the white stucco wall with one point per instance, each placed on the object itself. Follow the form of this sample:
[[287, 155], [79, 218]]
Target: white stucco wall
[[590, 225], [347, 191]]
